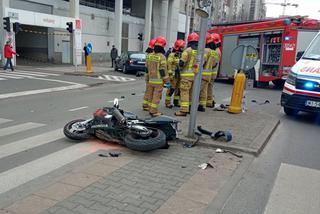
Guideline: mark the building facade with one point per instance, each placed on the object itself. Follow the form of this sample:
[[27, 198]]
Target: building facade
[[104, 23]]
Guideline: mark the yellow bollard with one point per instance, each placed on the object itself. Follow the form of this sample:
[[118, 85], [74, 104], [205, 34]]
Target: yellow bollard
[[88, 67], [237, 93]]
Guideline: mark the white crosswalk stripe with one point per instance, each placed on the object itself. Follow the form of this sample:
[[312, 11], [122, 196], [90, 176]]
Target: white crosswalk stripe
[[32, 169], [116, 78], [20, 74]]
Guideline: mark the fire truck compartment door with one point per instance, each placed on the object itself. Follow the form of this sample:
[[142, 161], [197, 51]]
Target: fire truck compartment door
[[229, 44]]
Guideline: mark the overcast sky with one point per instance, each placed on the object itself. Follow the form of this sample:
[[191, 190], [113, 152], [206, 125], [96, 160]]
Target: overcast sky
[[306, 7]]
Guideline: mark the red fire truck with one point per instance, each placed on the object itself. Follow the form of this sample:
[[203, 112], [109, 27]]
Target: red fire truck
[[278, 42]]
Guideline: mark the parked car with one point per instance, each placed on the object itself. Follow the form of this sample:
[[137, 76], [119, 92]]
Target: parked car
[[130, 61]]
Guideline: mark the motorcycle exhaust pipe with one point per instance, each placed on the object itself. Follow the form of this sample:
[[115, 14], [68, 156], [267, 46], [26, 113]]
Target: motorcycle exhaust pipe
[[117, 114]]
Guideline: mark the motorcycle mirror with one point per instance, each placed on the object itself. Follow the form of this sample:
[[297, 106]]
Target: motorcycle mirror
[[116, 103]]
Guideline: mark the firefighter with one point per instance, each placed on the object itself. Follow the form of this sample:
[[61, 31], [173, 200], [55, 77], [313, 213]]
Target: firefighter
[[189, 68], [149, 50], [158, 76], [173, 65], [210, 100], [210, 58]]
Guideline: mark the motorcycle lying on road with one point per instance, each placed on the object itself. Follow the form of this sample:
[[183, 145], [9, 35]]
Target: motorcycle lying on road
[[115, 125]]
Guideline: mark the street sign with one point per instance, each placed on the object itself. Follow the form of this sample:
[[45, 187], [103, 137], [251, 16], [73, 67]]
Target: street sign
[[89, 48], [244, 57]]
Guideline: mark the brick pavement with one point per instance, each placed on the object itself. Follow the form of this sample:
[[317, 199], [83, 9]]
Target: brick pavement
[[136, 182]]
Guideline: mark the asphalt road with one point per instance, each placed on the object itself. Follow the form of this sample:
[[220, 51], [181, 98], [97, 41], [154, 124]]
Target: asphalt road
[[295, 142]]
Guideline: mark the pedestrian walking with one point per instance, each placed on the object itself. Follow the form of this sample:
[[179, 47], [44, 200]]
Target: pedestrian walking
[[158, 76], [8, 54], [173, 66], [113, 55], [189, 68], [86, 53], [146, 98]]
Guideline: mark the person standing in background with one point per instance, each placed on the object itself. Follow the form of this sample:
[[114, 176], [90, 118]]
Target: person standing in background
[[113, 55], [85, 49]]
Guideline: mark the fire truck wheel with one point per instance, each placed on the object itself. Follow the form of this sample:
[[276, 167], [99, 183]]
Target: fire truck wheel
[[278, 83]]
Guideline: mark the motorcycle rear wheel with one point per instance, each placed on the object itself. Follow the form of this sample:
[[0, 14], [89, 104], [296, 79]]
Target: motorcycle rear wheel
[[157, 140], [75, 134]]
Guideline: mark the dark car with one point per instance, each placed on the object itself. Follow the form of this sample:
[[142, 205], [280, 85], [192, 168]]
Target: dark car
[[130, 62]]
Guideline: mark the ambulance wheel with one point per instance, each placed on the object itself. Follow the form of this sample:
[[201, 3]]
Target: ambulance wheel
[[278, 83], [290, 111]]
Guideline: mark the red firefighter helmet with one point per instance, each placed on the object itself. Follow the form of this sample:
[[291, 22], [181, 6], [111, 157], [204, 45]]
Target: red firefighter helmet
[[161, 41], [151, 43], [216, 38], [193, 37], [179, 44], [209, 38]]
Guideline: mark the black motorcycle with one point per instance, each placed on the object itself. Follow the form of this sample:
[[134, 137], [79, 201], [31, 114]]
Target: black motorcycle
[[115, 125]]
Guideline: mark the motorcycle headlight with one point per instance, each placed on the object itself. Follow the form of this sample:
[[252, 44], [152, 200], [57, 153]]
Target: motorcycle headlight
[[291, 79]]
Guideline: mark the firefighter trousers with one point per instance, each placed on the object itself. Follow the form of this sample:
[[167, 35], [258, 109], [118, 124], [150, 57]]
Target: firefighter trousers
[[185, 94], [154, 96], [204, 92], [147, 97], [170, 91], [176, 99], [210, 95]]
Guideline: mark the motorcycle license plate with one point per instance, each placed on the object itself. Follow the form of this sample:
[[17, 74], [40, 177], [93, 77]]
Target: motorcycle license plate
[[313, 104]]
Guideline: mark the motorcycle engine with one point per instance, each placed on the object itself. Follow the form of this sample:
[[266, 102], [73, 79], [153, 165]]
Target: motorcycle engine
[[141, 130]]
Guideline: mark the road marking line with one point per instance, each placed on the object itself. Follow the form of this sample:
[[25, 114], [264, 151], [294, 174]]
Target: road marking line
[[43, 73], [76, 109], [3, 120], [9, 76], [29, 74], [29, 143], [22, 174], [19, 128], [41, 91]]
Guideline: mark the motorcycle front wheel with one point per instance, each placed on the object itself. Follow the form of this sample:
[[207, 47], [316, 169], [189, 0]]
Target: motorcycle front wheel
[[74, 130], [156, 140]]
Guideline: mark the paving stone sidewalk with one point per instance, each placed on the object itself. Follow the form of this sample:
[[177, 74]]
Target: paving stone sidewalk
[[162, 181]]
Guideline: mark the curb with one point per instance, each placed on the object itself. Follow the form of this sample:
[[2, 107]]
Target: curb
[[258, 143], [83, 74]]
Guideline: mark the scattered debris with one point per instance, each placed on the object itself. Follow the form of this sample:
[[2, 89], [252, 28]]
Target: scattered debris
[[122, 97], [133, 93], [224, 135], [221, 107], [183, 167], [192, 144], [263, 103], [114, 154], [228, 151], [103, 155], [205, 165]]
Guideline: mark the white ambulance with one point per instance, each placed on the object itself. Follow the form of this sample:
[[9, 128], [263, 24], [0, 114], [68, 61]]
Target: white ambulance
[[301, 91]]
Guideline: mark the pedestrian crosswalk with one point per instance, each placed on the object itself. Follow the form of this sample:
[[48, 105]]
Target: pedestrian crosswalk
[[116, 78], [19, 141], [20, 74]]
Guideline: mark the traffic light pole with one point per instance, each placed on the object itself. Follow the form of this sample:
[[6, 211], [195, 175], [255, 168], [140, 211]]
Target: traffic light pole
[[198, 77]]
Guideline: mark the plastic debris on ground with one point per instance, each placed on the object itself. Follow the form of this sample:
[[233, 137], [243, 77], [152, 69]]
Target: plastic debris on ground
[[205, 165]]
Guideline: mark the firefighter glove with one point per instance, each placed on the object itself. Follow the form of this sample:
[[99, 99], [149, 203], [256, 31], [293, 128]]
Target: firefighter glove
[[162, 73]]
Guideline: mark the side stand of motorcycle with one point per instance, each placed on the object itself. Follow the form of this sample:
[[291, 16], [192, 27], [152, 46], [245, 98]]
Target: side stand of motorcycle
[[115, 125]]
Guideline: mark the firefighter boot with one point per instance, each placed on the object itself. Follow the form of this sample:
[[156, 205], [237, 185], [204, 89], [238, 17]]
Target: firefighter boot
[[180, 114], [176, 103], [201, 108], [157, 114]]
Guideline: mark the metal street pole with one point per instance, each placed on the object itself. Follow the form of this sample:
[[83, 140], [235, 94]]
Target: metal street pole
[[187, 21], [197, 79]]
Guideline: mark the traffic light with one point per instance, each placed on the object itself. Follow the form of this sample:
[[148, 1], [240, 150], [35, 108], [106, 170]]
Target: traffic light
[[70, 27], [16, 27], [6, 24], [140, 36]]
